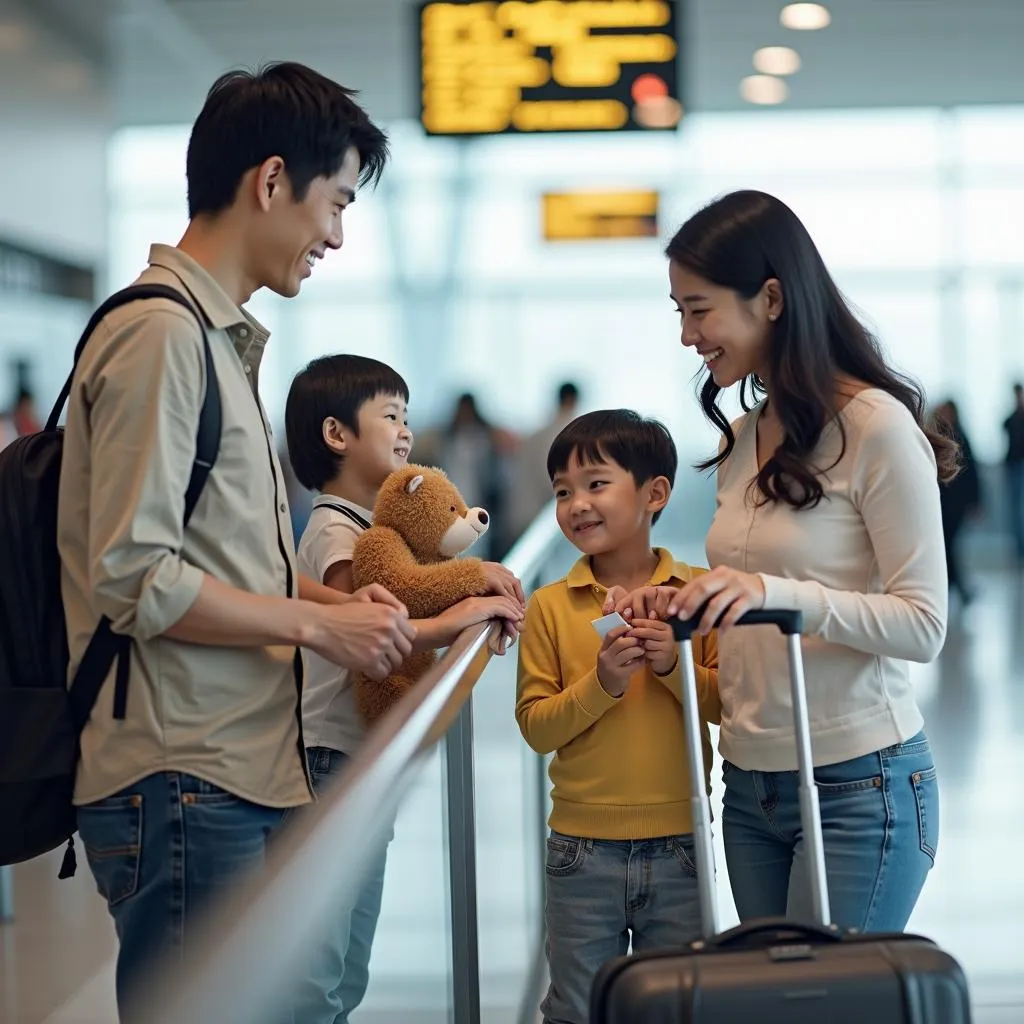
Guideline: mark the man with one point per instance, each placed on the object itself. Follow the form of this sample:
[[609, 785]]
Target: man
[[182, 793]]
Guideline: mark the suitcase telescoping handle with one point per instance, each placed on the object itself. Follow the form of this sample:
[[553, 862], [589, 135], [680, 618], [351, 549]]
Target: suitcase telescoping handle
[[790, 623]]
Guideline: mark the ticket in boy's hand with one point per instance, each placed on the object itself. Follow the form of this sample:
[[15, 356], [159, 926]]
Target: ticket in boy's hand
[[607, 623]]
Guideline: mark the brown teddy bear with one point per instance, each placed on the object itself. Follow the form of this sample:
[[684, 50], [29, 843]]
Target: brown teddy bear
[[420, 523]]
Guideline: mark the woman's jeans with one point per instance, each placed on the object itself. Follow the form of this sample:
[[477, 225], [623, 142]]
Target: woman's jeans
[[880, 819]]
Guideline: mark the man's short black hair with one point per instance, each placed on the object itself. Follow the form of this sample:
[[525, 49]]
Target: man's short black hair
[[285, 110], [643, 447], [335, 386]]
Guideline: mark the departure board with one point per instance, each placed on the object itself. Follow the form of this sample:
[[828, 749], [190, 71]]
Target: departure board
[[548, 66], [586, 216]]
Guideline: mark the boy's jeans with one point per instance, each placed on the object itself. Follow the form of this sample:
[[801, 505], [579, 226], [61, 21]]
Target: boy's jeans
[[160, 850], [338, 973], [880, 817], [600, 890]]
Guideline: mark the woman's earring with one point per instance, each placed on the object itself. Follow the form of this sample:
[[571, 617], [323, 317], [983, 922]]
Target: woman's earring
[[773, 316]]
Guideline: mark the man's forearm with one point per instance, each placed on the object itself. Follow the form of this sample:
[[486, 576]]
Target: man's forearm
[[224, 616]]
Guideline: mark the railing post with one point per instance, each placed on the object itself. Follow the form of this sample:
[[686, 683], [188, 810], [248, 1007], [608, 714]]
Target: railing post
[[460, 807], [6, 894]]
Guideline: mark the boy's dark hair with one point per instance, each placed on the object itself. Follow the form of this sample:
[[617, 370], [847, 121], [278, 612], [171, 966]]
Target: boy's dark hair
[[283, 109], [642, 447], [335, 386]]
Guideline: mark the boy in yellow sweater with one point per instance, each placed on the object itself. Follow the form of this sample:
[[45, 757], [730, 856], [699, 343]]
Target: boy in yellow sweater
[[620, 859]]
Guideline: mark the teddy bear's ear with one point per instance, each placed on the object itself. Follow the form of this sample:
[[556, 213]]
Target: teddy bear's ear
[[414, 484]]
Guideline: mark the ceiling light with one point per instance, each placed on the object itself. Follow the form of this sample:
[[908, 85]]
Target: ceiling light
[[777, 60], [805, 17], [764, 90]]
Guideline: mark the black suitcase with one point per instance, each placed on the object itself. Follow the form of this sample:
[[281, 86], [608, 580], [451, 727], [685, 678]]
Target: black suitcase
[[776, 971]]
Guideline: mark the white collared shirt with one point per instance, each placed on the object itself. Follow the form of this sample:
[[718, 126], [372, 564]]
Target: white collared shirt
[[329, 714]]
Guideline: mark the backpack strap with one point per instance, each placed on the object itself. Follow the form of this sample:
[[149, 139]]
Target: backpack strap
[[105, 647], [355, 517]]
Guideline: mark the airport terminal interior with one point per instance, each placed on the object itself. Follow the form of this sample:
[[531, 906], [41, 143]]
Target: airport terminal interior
[[504, 254]]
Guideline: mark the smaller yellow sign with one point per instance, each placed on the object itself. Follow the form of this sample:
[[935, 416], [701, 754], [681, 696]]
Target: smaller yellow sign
[[584, 216]]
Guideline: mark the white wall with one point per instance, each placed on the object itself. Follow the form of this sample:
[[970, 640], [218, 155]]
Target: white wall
[[55, 119], [55, 122]]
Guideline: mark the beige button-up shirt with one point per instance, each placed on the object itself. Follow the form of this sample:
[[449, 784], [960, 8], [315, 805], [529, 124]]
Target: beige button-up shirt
[[228, 715]]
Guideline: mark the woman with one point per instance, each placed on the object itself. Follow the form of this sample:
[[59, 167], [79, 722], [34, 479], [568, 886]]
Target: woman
[[960, 498], [828, 502]]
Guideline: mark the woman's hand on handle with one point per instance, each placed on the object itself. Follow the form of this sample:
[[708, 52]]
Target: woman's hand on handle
[[728, 593]]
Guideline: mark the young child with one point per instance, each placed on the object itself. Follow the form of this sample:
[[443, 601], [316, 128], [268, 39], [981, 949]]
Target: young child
[[620, 860], [347, 429]]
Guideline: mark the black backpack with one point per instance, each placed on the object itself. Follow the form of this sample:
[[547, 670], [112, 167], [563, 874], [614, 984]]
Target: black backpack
[[41, 719]]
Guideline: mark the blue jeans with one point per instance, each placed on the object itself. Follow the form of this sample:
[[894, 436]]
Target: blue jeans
[[160, 851], [339, 971], [601, 890], [880, 818]]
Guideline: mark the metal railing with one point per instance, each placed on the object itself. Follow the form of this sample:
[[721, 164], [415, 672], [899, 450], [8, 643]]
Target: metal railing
[[258, 939]]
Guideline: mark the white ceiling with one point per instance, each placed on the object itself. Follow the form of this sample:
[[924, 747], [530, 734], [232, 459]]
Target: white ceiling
[[161, 55]]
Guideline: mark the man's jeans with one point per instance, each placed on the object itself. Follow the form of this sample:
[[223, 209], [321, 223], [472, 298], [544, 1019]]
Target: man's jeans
[[337, 974], [601, 890], [160, 850], [880, 817]]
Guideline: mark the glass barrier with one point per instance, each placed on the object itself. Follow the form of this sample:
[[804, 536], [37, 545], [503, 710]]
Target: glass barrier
[[410, 975], [448, 943], [511, 816]]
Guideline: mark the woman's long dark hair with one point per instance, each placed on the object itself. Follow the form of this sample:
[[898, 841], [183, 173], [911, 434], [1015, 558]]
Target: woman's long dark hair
[[741, 241]]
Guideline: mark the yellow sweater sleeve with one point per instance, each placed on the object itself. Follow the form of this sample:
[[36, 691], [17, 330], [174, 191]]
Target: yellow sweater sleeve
[[552, 712]]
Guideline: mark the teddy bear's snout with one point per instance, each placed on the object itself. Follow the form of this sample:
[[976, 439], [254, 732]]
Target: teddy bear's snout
[[464, 532], [478, 519]]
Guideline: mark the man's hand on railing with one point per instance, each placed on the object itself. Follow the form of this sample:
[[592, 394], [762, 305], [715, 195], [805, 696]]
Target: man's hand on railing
[[362, 635], [374, 593]]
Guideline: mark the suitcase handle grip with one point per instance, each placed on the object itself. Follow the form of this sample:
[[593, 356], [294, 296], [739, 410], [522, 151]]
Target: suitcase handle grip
[[774, 931], [789, 620]]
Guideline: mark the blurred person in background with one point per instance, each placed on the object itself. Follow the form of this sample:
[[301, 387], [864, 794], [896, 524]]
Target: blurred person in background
[[1014, 428], [475, 454], [21, 419], [23, 415], [960, 497], [530, 488]]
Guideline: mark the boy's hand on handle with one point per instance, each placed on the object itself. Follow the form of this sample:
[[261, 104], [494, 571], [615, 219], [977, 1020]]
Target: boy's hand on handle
[[643, 603], [729, 595], [502, 581], [620, 656], [660, 649], [364, 636]]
